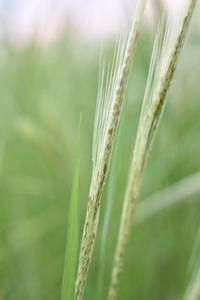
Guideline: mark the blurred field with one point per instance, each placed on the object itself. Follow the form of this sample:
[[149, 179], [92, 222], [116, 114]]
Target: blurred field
[[42, 93]]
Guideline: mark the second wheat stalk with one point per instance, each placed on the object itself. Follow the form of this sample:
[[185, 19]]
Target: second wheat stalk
[[166, 51]]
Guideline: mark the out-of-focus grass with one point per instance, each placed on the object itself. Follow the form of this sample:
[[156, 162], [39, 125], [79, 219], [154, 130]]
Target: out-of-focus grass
[[48, 88]]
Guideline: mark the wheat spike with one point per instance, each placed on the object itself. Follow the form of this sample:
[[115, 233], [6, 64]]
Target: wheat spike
[[110, 99], [167, 46]]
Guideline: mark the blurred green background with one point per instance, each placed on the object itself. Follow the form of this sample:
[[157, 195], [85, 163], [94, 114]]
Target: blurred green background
[[43, 90]]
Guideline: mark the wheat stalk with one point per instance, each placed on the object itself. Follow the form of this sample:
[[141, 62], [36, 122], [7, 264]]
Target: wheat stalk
[[109, 105], [166, 51]]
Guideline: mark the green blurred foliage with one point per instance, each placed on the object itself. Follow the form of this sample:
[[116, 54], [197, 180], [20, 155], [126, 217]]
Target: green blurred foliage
[[42, 92]]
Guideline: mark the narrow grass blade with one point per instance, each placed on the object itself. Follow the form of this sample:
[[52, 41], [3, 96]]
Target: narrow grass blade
[[193, 289], [72, 247], [2, 152], [171, 196]]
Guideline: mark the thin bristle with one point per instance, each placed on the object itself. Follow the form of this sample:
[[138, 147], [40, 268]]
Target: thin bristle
[[106, 95]]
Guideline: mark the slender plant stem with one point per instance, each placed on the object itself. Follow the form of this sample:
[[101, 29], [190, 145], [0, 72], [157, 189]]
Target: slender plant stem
[[144, 140], [98, 179]]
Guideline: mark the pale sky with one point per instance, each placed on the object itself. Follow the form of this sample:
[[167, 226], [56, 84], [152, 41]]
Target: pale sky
[[89, 19]]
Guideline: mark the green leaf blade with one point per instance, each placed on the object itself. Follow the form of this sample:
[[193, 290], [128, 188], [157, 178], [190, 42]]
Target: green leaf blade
[[72, 247]]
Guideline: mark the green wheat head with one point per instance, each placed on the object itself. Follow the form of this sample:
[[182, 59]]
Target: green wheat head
[[109, 105], [167, 47]]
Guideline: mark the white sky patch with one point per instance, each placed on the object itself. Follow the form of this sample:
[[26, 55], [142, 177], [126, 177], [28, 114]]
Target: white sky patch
[[22, 20]]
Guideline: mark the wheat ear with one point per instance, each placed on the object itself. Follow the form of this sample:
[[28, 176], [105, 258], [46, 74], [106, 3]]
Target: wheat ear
[[109, 105], [166, 51]]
